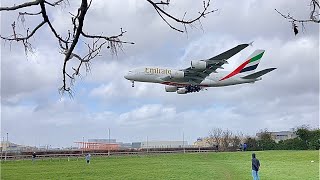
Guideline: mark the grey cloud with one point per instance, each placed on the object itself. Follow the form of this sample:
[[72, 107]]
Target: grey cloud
[[22, 77]]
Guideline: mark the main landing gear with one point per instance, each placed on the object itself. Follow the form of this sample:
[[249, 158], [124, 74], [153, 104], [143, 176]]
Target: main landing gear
[[192, 88], [132, 83]]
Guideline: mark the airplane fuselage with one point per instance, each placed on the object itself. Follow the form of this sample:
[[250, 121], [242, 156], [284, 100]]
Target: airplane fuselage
[[164, 76]]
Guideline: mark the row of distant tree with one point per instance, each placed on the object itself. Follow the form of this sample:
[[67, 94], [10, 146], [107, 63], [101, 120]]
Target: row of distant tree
[[307, 139], [226, 140]]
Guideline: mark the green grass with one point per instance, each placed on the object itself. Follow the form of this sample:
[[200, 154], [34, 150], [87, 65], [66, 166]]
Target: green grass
[[233, 165]]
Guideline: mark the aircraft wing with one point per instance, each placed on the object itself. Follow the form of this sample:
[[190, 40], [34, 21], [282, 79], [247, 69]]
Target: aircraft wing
[[196, 76]]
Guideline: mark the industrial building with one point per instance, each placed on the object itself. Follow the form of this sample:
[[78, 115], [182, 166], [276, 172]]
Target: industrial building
[[163, 144], [281, 135], [98, 144], [103, 140], [7, 146], [112, 144], [136, 145]]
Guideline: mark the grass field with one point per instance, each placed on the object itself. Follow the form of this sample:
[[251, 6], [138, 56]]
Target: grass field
[[233, 165]]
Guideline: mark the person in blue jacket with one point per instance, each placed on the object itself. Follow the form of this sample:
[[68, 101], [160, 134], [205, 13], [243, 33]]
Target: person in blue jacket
[[255, 167], [88, 156]]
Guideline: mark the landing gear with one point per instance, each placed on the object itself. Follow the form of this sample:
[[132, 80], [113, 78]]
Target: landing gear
[[192, 88], [132, 83]]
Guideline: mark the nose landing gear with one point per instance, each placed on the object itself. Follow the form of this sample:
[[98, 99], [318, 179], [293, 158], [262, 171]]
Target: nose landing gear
[[132, 83]]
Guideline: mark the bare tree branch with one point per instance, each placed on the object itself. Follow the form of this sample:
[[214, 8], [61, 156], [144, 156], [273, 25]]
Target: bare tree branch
[[15, 36], [182, 21], [215, 136], [163, 3], [26, 13], [46, 19], [314, 16], [20, 6], [111, 38], [168, 22], [68, 44], [55, 3]]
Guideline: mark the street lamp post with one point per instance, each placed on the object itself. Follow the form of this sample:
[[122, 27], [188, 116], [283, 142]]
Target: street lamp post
[[5, 156], [147, 145], [82, 144], [2, 147], [184, 150], [109, 134], [109, 142]]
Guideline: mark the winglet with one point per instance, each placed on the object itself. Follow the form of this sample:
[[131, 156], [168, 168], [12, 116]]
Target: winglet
[[251, 43]]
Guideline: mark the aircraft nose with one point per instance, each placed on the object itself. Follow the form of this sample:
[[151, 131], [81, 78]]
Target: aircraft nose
[[127, 76]]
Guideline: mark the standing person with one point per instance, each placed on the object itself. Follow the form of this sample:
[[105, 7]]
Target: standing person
[[33, 157], [88, 158], [255, 167], [244, 146]]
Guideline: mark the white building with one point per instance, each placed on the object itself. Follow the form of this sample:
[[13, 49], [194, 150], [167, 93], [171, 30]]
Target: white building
[[164, 144], [281, 135], [6, 146], [102, 140]]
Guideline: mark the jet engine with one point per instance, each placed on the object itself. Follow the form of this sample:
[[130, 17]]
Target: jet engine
[[182, 91], [199, 65], [177, 74], [169, 88]]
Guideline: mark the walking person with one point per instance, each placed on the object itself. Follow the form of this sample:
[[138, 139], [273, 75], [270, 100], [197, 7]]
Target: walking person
[[255, 167], [33, 157], [244, 146], [88, 158]]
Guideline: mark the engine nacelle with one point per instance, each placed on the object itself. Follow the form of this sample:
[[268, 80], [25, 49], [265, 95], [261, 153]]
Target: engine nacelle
[[177, 74], [182, 91], [169, 88], [199, 65]]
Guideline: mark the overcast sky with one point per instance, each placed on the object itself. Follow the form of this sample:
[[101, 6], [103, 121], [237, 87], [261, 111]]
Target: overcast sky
[[34, 113]]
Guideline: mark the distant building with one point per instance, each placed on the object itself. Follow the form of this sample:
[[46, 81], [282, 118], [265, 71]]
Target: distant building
[[12, 147], [88, 146], [281, 135], [164, 144], [136, 145], [102, 140], [212, 142], [98, 144], [202, 142], [125, 145]]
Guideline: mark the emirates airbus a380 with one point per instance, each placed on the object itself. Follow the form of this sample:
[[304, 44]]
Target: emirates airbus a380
[[203, 73]]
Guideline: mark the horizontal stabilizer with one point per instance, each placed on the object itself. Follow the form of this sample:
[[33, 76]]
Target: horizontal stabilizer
[[258, 74]]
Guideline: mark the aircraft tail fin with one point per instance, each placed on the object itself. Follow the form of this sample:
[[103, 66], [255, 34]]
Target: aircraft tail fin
[[258, 74], [249, 66], [252, 62]]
